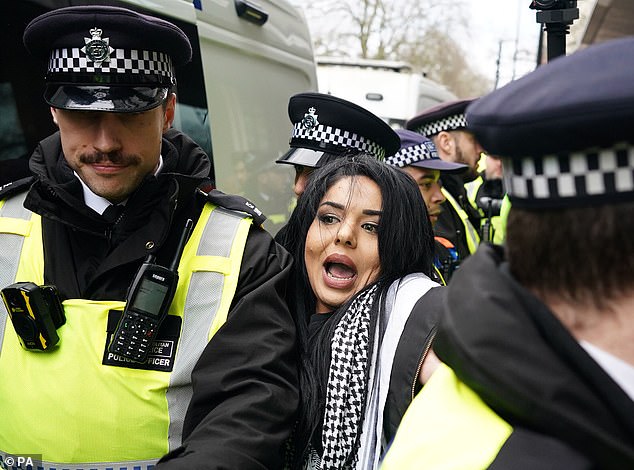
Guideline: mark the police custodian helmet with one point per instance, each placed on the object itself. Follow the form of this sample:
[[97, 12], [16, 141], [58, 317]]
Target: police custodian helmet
[[105, 58]]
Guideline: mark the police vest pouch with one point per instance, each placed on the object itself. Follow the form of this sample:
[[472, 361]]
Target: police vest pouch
[[161, 351], [36, 312]]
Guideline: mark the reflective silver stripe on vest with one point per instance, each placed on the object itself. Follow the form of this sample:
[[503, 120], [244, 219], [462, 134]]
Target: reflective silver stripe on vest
[[10, 249], [18, 461], [203, 299]]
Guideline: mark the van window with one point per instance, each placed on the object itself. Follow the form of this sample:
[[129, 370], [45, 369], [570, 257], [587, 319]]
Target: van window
[[12, 142], [253, 130]]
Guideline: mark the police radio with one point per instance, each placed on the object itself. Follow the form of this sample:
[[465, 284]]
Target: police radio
[[147, 302], [36, 312]]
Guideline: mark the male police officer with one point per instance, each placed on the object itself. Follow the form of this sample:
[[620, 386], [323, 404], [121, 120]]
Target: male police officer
[[216, 388], [446, 126], [538, 340], [326, 127], [419, 158]]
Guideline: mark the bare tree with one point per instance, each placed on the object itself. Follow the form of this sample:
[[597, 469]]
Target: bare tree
[[377, 29], [415, 31], [441, 58]]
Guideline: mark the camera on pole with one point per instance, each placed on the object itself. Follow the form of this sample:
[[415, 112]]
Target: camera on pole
[[556, 16]]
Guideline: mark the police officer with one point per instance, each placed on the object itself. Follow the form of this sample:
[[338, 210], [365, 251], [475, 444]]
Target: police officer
[[537, 338], [326, 127], [419, 158], [446, 126], [114, 187]]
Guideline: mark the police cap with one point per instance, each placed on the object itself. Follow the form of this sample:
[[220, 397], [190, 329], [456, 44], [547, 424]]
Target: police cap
[[447, 116], [418, 150], [325, 124], [564, 131], [106, 58]]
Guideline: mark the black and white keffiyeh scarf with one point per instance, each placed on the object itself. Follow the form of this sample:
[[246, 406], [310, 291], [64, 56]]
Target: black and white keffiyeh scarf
[[362, 355], [351, 352]]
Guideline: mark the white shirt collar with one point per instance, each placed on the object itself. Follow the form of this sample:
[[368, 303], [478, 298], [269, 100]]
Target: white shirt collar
[[620, 371], [98, 203]]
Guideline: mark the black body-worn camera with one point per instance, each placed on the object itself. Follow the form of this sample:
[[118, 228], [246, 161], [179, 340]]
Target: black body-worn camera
[[36, 312]]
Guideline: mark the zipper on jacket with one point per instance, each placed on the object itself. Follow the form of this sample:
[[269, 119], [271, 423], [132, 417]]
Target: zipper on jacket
[[110, 229], [428, 343]]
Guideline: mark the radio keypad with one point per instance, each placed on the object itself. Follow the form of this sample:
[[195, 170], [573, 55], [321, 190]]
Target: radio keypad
[[135, 336]]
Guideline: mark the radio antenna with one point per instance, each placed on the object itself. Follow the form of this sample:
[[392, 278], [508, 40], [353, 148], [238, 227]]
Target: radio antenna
[[181, 245]]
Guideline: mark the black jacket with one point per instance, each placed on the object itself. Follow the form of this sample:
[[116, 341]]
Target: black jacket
[[500, 340], [245, 383], [413, 347]]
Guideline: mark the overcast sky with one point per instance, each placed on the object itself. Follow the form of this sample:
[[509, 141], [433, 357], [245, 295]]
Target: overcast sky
[[509, 21]]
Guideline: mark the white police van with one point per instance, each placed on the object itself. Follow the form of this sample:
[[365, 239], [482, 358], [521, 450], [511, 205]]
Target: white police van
[[389, 89], [249, 58]]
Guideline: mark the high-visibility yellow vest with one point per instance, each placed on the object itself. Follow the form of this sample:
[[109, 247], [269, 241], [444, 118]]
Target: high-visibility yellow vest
[[498, 222], [500, 233], [471, 234], [447, 427], [70, 407], [472, 188]]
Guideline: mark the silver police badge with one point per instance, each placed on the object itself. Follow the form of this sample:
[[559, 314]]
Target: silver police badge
[[310, 119], [97, 50], [431, 149]]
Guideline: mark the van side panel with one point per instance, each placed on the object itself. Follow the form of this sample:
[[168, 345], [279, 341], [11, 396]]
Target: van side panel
[[250, 73]]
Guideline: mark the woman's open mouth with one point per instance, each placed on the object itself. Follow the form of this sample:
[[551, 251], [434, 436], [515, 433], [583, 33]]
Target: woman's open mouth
[[339, 272]]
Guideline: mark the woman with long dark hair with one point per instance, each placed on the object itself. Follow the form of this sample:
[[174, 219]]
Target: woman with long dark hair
[[363, 249]]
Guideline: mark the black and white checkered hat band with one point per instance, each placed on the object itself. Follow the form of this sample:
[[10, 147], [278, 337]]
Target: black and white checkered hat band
[[122, 61], [413, 154], [581, 176], [450, 123], [337, 137]]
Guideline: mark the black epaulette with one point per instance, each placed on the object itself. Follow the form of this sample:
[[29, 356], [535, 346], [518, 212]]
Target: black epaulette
[[16, 186], [233, 202]]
